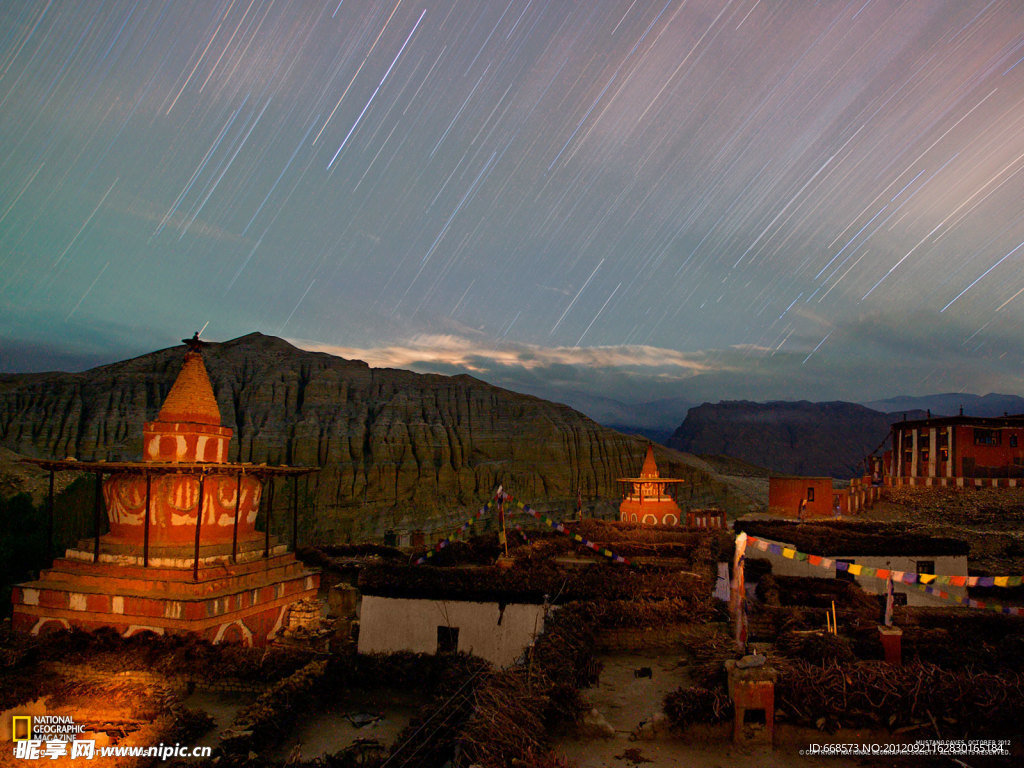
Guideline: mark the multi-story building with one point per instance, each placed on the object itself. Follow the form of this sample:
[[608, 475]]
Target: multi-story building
[[958, 450]]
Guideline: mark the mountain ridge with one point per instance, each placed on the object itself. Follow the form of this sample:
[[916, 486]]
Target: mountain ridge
[[393, 445]]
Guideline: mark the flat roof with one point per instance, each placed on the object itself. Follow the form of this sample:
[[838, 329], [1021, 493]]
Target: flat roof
[[989, 422], [866, 539]]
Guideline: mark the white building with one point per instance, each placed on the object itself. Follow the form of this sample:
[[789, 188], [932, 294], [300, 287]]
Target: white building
[[497, 632]]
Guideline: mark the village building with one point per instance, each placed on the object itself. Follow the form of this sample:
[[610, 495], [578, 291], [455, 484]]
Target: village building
[[645, 498], [957, 451], [878, 547], [809, 498], [496, 631], [182, 553]]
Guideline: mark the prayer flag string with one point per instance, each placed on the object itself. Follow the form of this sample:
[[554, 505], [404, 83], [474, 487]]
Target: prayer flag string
[[924, 582]]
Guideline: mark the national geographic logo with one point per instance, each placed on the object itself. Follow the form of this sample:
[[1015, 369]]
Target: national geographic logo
[[21, 728], [45, 727]]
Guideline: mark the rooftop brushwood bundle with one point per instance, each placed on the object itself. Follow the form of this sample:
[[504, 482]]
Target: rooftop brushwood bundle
[[654, 613], [875, 694], [819, 593], [815, 646], [833, 539], [500, 718], [531, 582]]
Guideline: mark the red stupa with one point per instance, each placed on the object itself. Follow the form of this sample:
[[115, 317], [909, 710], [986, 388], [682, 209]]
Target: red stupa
[[195, 563], [644, 498]]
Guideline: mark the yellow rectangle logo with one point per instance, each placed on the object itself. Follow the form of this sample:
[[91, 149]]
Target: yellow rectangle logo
[[25, 721]]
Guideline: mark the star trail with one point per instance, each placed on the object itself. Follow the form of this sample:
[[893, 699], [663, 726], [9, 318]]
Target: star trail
[[689, 198]]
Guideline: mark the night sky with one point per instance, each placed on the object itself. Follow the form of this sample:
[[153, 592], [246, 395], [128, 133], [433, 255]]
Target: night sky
[[700, 199]]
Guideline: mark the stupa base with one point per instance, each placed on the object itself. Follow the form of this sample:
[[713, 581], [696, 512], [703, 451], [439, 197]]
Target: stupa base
[[243, 601]]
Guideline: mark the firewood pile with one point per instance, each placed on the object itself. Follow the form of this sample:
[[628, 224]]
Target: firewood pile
[[950, 638], [710, 651], [850, 600], [816, 646], [500, 718], [712, 545], [707, 700], [515, 707], [172, 655], [854, 538], [874, 694], [654, 613], [404, 669], [362, 550], [531, 582], [268, 718]]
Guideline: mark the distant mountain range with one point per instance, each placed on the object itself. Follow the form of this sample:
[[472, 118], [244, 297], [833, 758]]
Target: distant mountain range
[[396, 448], [950, 404], [817, 439], [658, 419]]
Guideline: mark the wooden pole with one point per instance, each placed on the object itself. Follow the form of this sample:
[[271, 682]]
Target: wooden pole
[[199, 525], [145, 523], [96, 511], [234, 532], [295, 512], [49, 524], [270, 509]]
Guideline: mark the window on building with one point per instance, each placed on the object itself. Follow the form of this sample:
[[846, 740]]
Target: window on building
[[1013, 441], [926, 566], [810, 494], [924, 454], [447, 639], [944, 437], [944, 454], [986, 437]]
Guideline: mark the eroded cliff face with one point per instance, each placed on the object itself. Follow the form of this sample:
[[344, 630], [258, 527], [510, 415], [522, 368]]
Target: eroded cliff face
[[386, 440]]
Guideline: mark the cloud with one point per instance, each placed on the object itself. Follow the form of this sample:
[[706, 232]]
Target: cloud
[[874, 356], [427, 351]]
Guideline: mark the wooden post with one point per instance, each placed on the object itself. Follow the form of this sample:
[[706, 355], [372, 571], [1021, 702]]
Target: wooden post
[[145, 523], [270, 509], [96, 510], [199, 525], [49, 524], [234, 532], [295, 512]]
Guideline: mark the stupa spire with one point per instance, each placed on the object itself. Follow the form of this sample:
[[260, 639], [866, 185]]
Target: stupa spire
[[191, 399]]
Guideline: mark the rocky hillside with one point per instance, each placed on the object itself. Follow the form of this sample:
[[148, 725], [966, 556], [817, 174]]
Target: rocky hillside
[[394, 446], [799, 438]]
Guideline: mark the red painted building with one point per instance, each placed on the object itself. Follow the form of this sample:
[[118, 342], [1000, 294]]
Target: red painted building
[[788, 495], [958, 450]]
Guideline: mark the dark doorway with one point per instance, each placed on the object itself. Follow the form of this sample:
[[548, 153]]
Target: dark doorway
[[447, 639]]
